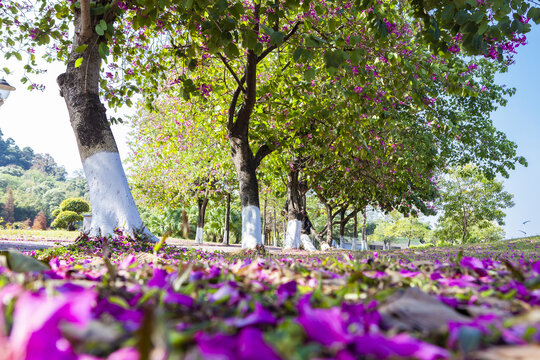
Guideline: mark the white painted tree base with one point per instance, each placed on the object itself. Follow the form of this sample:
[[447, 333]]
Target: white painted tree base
[[307, 243], [199, 235], [325, 247], [251, 227], [292, 237], [110, 197], [341, 240], [353, 246]]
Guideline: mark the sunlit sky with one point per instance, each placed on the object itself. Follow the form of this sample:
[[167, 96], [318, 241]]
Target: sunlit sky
[[40, 120]]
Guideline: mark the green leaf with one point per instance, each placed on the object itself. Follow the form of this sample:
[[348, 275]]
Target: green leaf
[[276, 38], [309, 74], [99, 30], [17, 55], [103, 50], [267, 30], [81, 48], [21, 263], [78, 62], [231, 51], [297, 54], [250, 38]]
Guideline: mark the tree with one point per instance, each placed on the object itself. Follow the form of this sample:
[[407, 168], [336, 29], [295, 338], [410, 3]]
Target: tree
[[40, 221], [10, 154], [384, 233], [46, 164], [469, 199], [8, 211], [66, 220], [178, 161], [69, 213], [410, 228]]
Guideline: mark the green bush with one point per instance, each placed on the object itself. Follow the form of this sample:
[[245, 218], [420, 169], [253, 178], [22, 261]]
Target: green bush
[[442, 243], [66, 220], [56, 212], [76, 205], [422, 246]]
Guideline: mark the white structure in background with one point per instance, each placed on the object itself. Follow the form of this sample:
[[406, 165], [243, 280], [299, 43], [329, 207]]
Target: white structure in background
[[5, 89], [251, 227]]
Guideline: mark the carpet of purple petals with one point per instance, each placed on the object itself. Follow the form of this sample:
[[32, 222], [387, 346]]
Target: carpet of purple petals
[[192, 304]]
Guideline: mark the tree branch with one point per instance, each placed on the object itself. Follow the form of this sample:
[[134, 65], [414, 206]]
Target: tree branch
[[263, 151], [240, 84], [86, 21], [111, 14], [273, 47]]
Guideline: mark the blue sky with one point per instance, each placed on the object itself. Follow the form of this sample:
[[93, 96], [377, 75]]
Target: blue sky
[[40, 120], [520, 120]]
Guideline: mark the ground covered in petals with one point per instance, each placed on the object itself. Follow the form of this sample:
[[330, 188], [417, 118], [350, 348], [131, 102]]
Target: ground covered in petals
[[122, 299]]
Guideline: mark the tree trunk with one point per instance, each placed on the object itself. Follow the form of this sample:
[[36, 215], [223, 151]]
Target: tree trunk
[[227, 219], [275, 227], [329, 229], [294, 208], [408, 242], [355, 231], [364, 232], [110, 196], [202, 202], [185, 224], [342, 224], [245, 165], [264, 240]]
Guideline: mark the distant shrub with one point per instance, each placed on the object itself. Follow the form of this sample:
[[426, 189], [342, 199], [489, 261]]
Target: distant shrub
[[422, 246], [56, 212], [40, 221], [66, 220], [442, 243], [76, 205]]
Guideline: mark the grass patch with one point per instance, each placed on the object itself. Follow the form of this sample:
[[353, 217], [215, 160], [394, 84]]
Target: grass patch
[[38, 235]]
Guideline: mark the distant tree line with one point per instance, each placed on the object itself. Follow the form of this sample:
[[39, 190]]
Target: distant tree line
[[31, 183]]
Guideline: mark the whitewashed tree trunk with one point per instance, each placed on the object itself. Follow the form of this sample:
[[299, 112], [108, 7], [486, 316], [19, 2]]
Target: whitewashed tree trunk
[[112, 204], [110, 196], [251, 227], [307, 243], [353, 245], [199, 235], [341, 240], [292, 236]]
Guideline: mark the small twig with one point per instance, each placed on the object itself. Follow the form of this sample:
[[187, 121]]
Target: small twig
[[231, 70]]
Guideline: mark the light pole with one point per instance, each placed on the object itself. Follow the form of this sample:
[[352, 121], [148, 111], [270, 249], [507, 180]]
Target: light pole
[[5, 89]]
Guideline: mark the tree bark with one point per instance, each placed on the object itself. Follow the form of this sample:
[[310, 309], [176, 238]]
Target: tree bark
[[342, 224], [275, 227], [202, 202], [329, 227], [294, 207], [185, 224], [227, 219], [264, 239], [355, 231], [110, 196], [364, 231]]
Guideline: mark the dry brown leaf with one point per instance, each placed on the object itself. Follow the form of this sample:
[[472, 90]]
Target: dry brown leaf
[[414, 310]]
